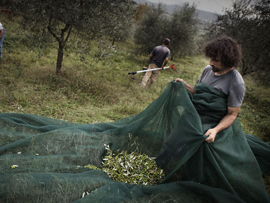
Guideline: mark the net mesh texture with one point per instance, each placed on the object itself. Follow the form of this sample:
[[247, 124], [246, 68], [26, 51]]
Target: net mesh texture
[[42, 159]]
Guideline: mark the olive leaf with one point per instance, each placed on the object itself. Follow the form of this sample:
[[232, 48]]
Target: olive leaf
[[133, 168]]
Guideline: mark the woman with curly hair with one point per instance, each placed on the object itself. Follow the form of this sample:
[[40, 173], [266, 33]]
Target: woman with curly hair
[[207, 142], [225, 55]]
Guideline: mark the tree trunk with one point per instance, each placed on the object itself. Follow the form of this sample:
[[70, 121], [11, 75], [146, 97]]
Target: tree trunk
[[62, 43], [59, 59]]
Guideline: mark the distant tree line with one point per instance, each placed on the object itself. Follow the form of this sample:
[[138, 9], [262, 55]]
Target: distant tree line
[[249, 23]]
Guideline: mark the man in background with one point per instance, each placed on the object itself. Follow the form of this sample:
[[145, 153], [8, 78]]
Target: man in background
[[159, 57]]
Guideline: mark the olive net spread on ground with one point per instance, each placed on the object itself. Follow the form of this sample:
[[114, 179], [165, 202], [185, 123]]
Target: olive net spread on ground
[[49, 160]]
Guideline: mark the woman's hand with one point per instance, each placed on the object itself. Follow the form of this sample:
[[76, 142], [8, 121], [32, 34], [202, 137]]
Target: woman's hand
[[179, 79], [211, 133], [225, 122], [190, 88]]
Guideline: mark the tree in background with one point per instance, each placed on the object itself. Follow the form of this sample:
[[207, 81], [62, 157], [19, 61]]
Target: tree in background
[[60, 18], [120, 27], [249, 23], [140, 9], [152, 29], [180, 28]]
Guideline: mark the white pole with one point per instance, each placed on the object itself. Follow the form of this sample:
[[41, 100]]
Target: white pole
[[142, 71]]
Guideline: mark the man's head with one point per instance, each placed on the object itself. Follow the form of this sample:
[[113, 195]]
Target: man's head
[[166, 42], [224, 49]]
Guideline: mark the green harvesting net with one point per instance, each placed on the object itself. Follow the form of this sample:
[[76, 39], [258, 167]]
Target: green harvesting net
[[48, 160]]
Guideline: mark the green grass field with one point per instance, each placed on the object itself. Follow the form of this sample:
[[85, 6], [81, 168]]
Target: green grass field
[[98, 87]]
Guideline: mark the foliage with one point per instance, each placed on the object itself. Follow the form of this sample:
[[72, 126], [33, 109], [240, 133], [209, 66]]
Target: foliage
[[140, 9], [152, 29], [121, 26], [91, 167], [182, 31], [86, 18], [180, 28], [248, 22], [131, 168]]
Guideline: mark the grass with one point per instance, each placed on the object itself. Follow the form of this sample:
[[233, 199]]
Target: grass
[[78, 94], [93, 90]]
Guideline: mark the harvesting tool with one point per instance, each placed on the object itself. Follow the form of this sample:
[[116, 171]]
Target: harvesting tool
[[145, 69]]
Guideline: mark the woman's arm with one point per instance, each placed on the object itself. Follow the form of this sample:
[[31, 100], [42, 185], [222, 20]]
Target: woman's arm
[[190, 88], [223, 124]]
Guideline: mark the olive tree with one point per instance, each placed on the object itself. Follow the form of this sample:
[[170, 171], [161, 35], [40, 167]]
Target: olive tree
[[182, 30], [249, 23], [180, 27], [60, 18], [152, 29]]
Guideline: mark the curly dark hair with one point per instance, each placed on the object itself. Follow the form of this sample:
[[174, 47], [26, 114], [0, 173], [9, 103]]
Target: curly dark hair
[[225, 49]]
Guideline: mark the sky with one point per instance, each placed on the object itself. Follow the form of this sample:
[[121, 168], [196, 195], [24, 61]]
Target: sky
[[215, 6]]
